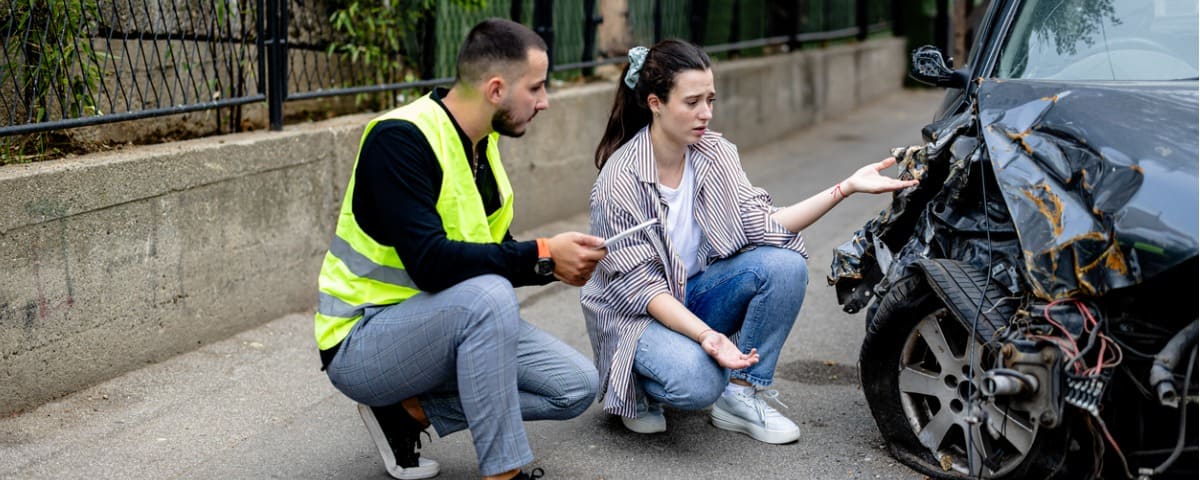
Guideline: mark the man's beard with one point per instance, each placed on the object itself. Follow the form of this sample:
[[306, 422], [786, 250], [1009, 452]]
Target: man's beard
[[504, 123]]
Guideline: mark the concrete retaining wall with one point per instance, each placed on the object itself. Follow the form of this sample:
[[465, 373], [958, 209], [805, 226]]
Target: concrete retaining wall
[[120, 259]]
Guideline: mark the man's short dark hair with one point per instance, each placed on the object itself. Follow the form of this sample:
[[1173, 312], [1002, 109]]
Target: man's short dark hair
[[493, 46]]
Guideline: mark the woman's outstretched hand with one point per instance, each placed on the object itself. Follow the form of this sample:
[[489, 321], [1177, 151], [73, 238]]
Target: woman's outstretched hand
[[727, 355], [868, 179]]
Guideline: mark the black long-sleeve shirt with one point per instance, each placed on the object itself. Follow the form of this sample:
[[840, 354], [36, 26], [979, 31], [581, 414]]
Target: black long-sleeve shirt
[[397, 183]]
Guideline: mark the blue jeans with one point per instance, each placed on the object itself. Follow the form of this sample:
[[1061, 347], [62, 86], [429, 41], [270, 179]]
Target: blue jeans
[[756, 295], [472, 362]]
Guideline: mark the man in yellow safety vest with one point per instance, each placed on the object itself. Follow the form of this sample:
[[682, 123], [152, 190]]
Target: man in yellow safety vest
[[417, 320]]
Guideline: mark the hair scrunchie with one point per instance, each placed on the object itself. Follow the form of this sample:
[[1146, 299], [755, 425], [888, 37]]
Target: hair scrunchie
[[637, 57]]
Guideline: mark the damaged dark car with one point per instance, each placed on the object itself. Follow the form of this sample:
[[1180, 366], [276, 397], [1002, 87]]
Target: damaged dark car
[[1031, 305]]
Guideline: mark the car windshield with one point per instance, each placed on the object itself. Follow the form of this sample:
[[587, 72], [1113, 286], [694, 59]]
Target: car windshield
[[1102, 40]]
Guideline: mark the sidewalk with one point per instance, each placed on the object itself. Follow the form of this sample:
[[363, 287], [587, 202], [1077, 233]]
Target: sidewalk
[[257, 406]]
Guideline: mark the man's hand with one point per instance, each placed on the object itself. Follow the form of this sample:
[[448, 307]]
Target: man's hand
[[727, 355], [575, 256]]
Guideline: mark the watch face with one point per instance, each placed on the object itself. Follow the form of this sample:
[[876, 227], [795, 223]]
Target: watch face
[[544, 266]]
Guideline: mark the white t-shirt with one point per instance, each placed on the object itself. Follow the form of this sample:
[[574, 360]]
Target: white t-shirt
[[681, 223]]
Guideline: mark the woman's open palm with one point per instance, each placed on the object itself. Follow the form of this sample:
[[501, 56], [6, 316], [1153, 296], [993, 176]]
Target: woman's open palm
[[868, 179], [727, 355]]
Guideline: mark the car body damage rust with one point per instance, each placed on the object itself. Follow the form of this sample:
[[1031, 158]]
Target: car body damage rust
[[1076, 194]]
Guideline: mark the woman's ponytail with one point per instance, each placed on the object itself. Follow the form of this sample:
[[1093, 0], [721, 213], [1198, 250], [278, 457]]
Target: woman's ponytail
[[627, 117]]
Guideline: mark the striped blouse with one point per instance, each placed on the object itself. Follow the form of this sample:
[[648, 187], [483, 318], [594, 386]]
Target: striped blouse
[[732, 213]]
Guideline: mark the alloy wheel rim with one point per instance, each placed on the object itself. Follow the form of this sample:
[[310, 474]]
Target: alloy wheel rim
[[936, 397]]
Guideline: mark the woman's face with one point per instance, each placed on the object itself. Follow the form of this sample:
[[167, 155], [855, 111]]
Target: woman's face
[[684, 117]]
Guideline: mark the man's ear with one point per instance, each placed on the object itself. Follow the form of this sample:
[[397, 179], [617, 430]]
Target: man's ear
[[493, 89]]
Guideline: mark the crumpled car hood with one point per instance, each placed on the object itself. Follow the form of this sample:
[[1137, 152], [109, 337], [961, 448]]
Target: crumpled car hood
[[1100, 180]]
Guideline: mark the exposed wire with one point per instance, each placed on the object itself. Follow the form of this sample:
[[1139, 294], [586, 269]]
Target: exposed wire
[[987, 218], [1109, 354], [1098, 462], [1115, 447], [1089, 326], [1117, 355], [1050, 319], [1063, 344], [1093, 326], [1106, 344], [1126, 347], [1079, 358], [1000, 302], [1067, 344]]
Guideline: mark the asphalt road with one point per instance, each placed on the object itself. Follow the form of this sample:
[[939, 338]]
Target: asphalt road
[[256, 406]]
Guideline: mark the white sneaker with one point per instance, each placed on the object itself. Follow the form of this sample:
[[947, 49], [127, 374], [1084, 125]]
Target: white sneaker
[[650, 418], [750, 414], [398, 437]]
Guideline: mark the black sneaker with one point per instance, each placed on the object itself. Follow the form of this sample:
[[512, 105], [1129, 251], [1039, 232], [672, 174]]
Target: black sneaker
[[398, 437], [532, 475]]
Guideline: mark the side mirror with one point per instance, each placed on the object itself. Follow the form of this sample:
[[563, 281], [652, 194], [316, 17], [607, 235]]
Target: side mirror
[[930, 67]]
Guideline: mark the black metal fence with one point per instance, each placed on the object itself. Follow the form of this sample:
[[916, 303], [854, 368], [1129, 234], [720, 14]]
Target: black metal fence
[[69, 63], [72, 63]]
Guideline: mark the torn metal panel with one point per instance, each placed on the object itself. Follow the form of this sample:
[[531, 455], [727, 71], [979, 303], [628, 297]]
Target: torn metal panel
[[921, 218], [913, 162]]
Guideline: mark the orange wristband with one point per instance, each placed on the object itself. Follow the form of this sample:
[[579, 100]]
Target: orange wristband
[[543, 248]]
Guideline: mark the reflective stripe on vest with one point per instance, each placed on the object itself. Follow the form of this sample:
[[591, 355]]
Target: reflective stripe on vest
[[359, 273]]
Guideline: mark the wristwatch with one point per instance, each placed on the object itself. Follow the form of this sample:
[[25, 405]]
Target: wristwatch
[[545, 264]]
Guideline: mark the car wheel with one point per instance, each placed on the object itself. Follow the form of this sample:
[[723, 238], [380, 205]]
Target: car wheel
[[915, 365]]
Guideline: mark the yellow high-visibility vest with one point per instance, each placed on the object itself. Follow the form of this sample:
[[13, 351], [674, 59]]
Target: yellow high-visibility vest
[[358, 272]]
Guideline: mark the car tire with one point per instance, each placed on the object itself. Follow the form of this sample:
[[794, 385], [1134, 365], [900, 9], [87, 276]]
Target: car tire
[[918, 397]]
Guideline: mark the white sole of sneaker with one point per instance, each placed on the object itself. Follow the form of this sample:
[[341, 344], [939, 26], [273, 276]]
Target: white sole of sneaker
[[426, 468], [644, 427], [727, 421]]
